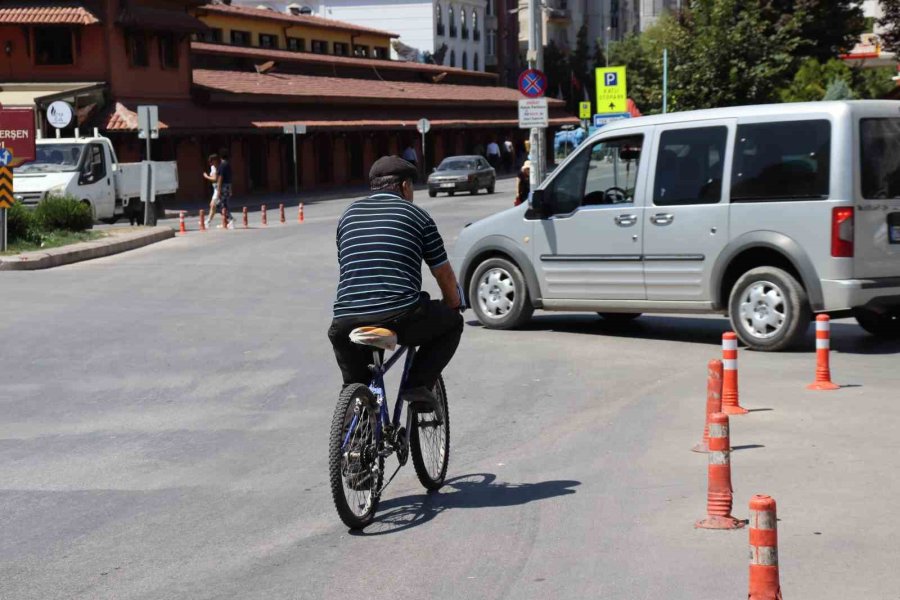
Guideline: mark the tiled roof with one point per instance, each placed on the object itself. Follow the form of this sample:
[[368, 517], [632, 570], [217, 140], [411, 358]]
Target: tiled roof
[[325, 59], [146, 18], [46, 13], [271, 15], [186, 117], [336, 89]]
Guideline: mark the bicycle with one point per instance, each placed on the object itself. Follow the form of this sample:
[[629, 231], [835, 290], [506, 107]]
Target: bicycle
[[364, 434]]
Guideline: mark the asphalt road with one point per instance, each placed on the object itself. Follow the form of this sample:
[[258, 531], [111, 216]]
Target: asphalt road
[[165, 416]]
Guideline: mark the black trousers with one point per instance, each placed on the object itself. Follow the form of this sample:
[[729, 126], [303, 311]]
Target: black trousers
[[431, 325]]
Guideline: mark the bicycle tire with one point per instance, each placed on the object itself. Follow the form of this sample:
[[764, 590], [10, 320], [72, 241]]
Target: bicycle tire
[[342, 474], [432, 473]]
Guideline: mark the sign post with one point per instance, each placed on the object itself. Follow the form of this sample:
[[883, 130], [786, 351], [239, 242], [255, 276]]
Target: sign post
[[16, 147], [423, 127], [293, 130], [148, 129]]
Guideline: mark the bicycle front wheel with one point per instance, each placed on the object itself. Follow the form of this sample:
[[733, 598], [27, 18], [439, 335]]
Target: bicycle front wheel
[[356, 468], [430, 443]]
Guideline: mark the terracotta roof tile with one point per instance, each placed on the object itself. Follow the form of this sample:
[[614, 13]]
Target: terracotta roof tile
[[338, 89], [46, 13], [271, 15], [324, 59]]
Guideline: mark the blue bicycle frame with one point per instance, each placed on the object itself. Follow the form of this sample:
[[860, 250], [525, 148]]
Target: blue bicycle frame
[[377, 387]]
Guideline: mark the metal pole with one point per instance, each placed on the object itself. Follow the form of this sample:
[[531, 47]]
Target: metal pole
[[665, 94], [3, 230], [536, 60], [424, 167], [606, 52], [147, 212], [294, 140]]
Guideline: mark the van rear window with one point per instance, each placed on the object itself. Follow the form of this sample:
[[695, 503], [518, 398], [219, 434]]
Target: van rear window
[[879, 145], [781, 161]]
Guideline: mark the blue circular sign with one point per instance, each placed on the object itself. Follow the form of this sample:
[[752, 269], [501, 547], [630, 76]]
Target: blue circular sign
[[533, 83]]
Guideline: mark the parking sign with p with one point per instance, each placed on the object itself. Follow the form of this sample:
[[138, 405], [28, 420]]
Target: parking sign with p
[[612, 93]]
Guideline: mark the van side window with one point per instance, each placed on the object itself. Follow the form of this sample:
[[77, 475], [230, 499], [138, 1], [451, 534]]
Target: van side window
[[879, 145], [689, 166], [787, 160], [604, 174]]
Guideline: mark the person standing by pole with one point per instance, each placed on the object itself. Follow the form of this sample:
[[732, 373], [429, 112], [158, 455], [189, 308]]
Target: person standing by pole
[[213, 160]]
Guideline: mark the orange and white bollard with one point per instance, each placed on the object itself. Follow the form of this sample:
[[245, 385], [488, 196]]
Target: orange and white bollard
[[300, 214], [764, 580], [202, 220], [281, 212], [823, 356], [246, 221], [265, 215], [182, 230], [719, 495], [713, 400], [730, 400]]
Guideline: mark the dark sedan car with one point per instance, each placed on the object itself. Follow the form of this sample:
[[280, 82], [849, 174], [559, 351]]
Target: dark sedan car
[[462, 174]]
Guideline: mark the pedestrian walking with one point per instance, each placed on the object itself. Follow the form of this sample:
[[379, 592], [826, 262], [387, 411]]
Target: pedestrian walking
[[523, 187], [509, 156], [493, 154], [223, 190], [409, 155], [212, 177]]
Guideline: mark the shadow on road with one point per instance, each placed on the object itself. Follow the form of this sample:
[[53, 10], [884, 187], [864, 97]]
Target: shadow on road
[[847, 338], [477, 490]]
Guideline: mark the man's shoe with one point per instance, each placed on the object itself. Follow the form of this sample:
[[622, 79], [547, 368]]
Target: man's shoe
[[423, 400]]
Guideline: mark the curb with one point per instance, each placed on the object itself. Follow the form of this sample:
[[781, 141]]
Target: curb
[[114, 244]]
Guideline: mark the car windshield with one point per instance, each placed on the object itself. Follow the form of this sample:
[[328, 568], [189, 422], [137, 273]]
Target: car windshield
[[54, 158], [879, 141], [457, 165]]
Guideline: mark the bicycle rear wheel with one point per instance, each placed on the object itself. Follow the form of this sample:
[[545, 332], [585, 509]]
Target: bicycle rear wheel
[[430, 443], [356, 469]]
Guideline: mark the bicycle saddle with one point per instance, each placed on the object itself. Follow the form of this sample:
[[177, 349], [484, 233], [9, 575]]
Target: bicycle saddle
[[374, 336]]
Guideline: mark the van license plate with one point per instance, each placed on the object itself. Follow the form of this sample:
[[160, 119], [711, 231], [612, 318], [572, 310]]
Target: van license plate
[[893, 223]]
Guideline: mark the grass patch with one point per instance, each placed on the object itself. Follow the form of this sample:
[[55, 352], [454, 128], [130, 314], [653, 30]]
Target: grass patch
[[53, 239]]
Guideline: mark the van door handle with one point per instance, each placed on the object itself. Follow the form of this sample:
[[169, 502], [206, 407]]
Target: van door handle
[[626, 220], [662, 219]]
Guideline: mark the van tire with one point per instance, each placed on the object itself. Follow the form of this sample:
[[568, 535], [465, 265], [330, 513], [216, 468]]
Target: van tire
[[500, 275], [884, 325], [779, 289]]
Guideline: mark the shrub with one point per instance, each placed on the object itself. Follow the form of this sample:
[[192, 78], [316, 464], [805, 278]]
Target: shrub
[[21, 225], [63, 212]]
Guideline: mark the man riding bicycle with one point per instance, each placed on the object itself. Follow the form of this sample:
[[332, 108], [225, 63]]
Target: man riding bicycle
[[382, 241]]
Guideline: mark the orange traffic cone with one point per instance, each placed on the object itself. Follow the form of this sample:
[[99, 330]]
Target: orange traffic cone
[[300, 214], [730, 402], [823, 353], [764, 580], [281, 211], [182, 230], [719, 495], [246, 223], [265, 215], [713, 400]]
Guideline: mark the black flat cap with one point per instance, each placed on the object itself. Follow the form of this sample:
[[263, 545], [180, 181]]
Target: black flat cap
[[393, 165]]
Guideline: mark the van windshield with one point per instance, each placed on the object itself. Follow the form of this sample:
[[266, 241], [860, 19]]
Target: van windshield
[[879, 141], [54, 158]]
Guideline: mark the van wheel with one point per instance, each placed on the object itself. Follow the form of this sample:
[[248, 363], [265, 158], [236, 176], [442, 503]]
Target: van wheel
[[619, 318], [884, 325], [769, 309], [498, 294]]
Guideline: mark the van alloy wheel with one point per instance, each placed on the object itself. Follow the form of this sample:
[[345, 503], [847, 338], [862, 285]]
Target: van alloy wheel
[[769, 309], [499, 295], [496, 292], [763, 309]]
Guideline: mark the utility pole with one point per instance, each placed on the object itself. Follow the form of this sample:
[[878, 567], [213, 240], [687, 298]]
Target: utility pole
[[536, 61]]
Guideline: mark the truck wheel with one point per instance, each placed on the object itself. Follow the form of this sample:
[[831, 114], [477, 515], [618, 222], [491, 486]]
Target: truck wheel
[[498, 294], [769, 309], [884, 325]]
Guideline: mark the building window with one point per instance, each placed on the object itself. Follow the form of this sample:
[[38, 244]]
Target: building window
[[138, 50], [296, 44], [212, 36], [465, 62], [453, 58], [463, 24], [360, 51], [53, 46], [492, 43], [268, 41], [489, 9], [240, 38], [320, 47], [168, 51], [452, 21], [476, 35], [341, 49], [380, 52], [475, 62], [439, 18]]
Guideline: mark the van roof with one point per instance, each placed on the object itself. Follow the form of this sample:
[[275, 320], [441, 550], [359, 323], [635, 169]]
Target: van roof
[[835, 108]]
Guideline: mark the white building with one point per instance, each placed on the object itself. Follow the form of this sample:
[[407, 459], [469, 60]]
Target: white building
[[423, 25]]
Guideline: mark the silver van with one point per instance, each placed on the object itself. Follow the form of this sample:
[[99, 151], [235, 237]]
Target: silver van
[[766, 213]]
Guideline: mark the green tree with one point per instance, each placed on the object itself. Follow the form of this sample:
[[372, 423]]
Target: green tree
[[813, 79], [838, 89], [828, 27], [890, 22]]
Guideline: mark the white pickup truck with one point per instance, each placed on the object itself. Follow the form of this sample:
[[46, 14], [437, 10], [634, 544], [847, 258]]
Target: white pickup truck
[[87, 168]]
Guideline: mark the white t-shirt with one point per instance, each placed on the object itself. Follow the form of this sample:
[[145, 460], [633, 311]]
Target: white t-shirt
[[212, 173], [493, 149]]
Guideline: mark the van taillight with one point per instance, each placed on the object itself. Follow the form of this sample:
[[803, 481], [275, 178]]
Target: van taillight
[[842, 232]]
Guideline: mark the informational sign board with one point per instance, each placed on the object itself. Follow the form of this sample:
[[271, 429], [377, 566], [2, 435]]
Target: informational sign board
[[584, 110], [601, 120], [148, 122], [295, 129], [6, 157], [533, 83], [17, 134], [612, 90], [60, 114], [423, 126], [533, 113]]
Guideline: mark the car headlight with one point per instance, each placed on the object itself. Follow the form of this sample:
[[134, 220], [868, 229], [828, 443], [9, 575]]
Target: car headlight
[[57, 190]]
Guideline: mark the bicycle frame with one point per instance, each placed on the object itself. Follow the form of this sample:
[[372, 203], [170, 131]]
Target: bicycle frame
[[378, 389]]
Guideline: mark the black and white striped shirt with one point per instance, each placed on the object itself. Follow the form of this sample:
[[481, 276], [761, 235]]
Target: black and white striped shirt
[[382, 241]]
